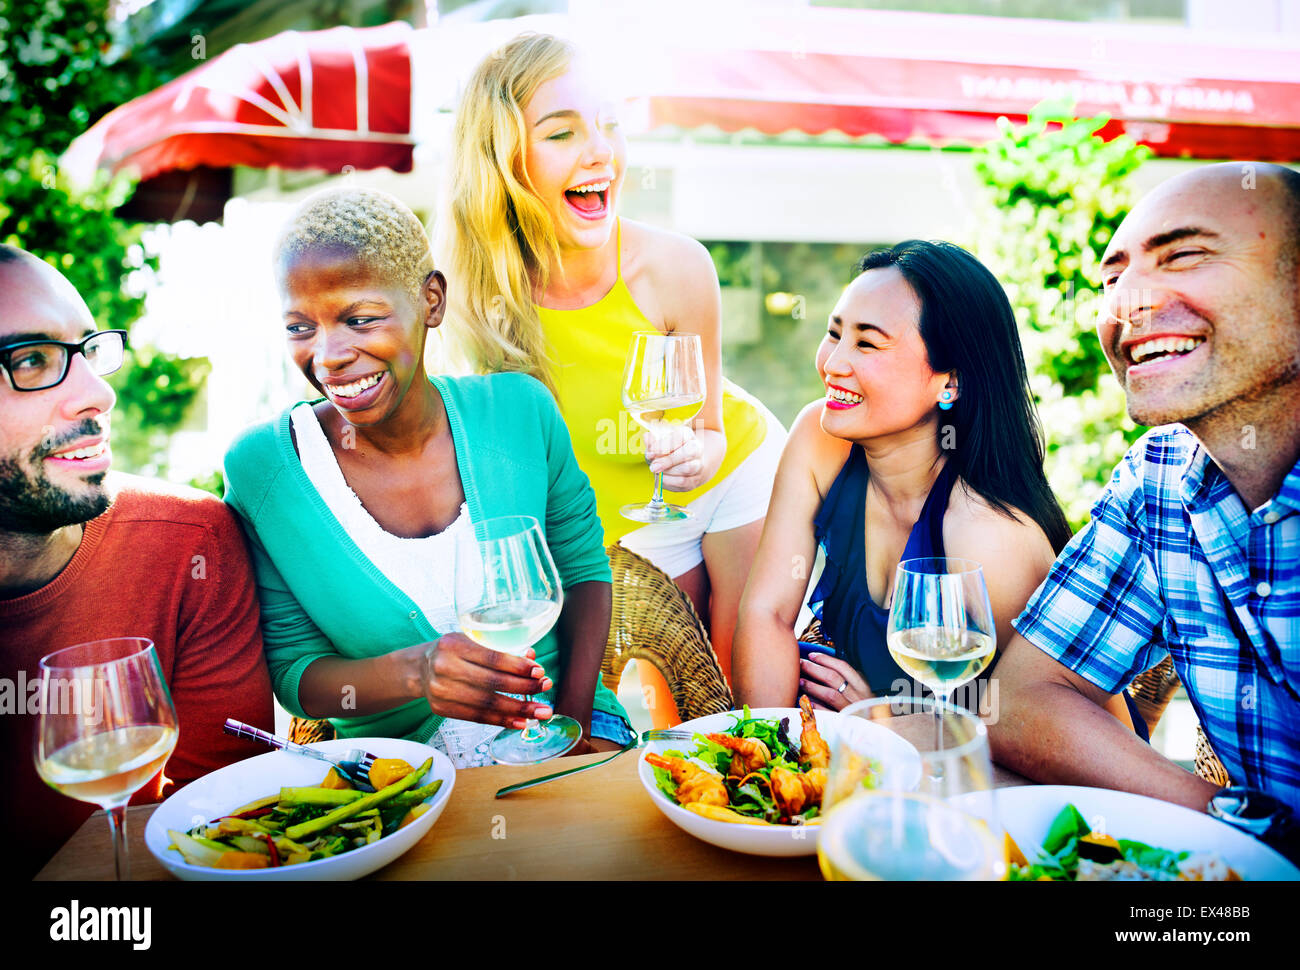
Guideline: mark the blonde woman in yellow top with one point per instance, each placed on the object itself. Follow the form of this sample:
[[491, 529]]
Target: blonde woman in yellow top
[[553, 284]]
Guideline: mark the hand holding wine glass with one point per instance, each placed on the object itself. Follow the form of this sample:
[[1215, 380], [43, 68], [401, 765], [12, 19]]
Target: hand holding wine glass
[[107, 725], [663, 388], [461, 679], [508, 596]]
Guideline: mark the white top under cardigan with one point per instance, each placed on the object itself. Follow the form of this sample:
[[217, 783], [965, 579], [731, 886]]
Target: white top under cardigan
[[422, 568]]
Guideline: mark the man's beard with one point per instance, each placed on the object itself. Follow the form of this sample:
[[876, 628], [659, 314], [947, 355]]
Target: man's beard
[[33, 505]]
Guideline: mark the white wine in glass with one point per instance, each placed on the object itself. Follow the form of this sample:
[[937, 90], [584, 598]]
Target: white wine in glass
[[111, 766], [510, 627], [508, 596], [107, 725], [941, 659], [663, 388], [941, 622]]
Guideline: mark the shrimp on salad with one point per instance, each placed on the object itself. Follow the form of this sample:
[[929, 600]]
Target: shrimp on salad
[[748, 754], [694, 784]]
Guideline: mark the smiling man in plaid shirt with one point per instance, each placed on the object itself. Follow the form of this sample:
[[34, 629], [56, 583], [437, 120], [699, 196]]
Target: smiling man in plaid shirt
[[1194, 547]]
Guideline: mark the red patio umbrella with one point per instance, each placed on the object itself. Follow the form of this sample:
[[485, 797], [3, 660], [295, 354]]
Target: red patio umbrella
[[327, 99]]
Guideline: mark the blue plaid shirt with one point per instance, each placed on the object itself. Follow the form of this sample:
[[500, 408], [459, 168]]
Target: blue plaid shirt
[[1173, 563]]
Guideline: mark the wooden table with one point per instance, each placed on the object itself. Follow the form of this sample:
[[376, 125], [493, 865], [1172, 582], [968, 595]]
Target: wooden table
[[599, 824]]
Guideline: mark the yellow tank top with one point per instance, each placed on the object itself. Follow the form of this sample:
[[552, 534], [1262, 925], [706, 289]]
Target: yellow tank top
[[589, 347]]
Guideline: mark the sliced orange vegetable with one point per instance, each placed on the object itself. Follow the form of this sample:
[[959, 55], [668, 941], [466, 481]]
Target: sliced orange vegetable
[[720, 814], [242, 860], [385, 771], [334, 780], [1105, 840], [1099, 848], [413, 814], [1014, 856]]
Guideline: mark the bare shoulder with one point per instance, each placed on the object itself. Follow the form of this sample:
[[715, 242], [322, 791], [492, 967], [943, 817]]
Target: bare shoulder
[[676, 269], [652, 249], [822, 454], [974, 529]]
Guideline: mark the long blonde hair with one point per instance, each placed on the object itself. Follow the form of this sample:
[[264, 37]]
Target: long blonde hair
[[497, 241]]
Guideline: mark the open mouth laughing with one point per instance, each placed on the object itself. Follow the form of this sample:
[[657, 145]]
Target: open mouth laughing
[[84, 456], [1146, 354], [841, 399], [354, 394], [589, 200]]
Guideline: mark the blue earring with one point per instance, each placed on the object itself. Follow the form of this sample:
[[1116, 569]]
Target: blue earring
[[945, 401]]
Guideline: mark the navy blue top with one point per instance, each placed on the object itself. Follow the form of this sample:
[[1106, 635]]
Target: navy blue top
[[850, 619]]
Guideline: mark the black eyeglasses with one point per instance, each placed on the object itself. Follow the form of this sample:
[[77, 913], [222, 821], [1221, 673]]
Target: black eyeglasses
[[35, 365]]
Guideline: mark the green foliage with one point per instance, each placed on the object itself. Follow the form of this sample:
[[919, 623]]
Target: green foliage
[[1054, 193], [734, 262], [776, 364], [153, 397], [214, 482], [76, 232], [56, 79]]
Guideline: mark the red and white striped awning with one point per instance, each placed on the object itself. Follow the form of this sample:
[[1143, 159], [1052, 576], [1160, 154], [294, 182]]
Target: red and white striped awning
[[330, 99]]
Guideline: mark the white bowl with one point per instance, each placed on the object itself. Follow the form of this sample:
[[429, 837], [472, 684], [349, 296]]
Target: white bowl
[[228, 788], [1026, 813], [769, 840]]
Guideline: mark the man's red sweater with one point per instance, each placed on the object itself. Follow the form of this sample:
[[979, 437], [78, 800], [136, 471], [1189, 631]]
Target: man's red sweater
[[165, 563]]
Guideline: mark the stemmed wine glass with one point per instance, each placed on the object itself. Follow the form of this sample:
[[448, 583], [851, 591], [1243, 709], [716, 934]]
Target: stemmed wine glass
[[941, 623], [107, 725], [508, 596], [903, 803], [663, 387]]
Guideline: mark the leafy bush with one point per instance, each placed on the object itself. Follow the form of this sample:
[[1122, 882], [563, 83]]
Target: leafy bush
[[58, 76], [1054, 193]]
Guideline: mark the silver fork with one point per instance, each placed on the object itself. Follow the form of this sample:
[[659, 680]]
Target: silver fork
[[355, 765], [666, 734]]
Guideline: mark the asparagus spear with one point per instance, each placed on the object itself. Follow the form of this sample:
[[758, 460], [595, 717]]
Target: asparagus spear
[[412, 798], [290, 797], [296, 832]]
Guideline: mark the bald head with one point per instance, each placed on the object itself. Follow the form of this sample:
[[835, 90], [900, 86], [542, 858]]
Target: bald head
[[31, 287], [1260, 192]]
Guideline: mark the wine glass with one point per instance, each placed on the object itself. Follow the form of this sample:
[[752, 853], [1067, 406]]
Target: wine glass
[[901, 803], [663, 387], [508, 596], [107, 725], [941, 623]]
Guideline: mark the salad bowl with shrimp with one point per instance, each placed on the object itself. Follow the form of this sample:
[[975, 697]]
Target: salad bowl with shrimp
[[749, 780]]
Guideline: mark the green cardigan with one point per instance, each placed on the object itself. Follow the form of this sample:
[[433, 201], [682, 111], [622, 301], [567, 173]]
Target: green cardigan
[[320, 596]]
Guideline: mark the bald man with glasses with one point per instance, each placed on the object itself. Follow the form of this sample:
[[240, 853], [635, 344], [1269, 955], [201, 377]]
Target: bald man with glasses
[[89, 554]]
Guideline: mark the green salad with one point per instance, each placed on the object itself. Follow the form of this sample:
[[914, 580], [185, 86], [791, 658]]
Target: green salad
[[750, 790], [1072, 852]]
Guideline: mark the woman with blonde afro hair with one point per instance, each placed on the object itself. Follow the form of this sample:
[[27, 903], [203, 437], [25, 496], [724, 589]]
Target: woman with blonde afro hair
[[553, 284], [355, 502]]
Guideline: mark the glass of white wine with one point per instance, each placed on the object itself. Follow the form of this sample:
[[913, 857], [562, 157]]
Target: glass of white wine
[[107, 725], [941, 623], [901, 804], [508, 596], [663, 388]]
